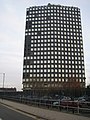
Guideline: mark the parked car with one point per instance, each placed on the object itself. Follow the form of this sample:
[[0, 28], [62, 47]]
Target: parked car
[[56, 103]]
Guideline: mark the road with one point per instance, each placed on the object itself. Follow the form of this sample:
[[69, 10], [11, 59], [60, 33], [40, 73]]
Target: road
[[10, 114]]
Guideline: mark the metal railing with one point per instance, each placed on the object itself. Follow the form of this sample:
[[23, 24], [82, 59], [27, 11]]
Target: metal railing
[[75, 107]]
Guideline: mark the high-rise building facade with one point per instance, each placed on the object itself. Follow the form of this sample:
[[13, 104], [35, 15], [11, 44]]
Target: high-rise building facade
[[53, 50]]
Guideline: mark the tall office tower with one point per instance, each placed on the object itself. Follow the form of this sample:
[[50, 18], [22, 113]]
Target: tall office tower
[[53, 51]]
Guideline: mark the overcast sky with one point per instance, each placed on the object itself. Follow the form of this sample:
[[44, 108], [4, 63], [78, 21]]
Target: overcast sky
[[12, 32]]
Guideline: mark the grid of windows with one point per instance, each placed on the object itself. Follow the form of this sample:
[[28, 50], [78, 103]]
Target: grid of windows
[[53, 46]]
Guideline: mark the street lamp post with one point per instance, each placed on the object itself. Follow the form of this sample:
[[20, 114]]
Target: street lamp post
[[3, 85], [3, 79]]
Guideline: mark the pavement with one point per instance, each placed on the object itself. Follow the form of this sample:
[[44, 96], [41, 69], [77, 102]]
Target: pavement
[[42, 113]]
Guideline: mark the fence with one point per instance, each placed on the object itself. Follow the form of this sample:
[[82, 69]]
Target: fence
[[75, 107]]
